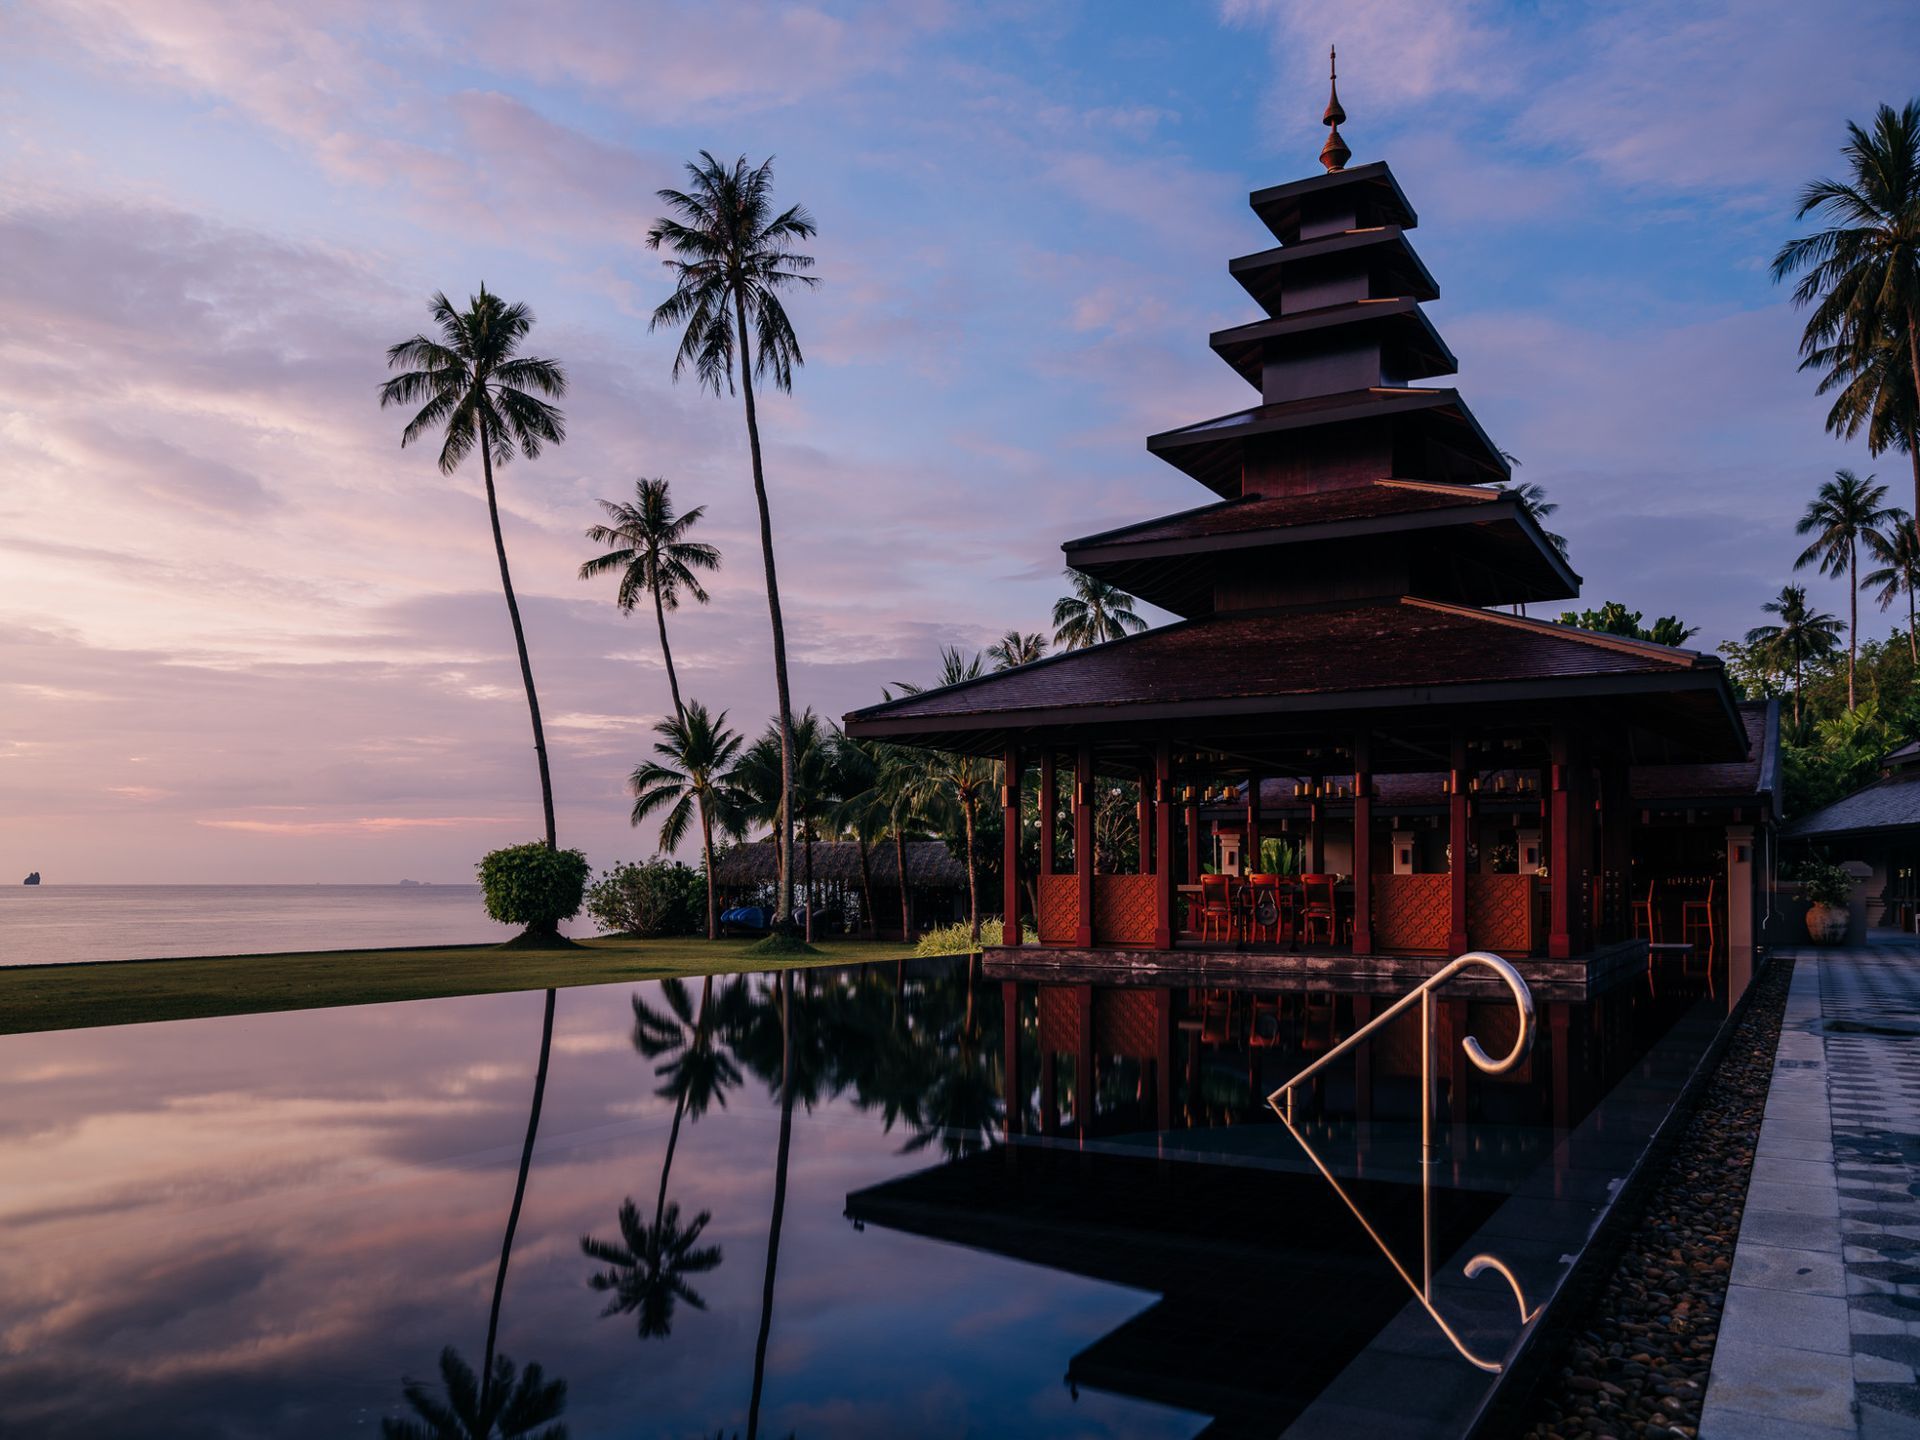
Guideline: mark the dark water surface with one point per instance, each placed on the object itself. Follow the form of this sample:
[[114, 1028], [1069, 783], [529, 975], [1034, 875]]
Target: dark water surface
[[263, 1225]]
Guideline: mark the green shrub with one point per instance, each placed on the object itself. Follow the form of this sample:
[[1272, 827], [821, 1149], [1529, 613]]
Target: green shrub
[[654, 898], [1824, 883], [957, 938], [533, 886]]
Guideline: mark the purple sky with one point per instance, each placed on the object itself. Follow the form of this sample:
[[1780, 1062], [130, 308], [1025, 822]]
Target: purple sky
[[243, 637]]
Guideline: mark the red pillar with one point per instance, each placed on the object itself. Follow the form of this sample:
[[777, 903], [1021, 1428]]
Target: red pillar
[[1559, 853], [1250, 852], [1010, 849], [1362, 845], [1015, 1095], [1049, 809], [1193, 844], [1083, 840], [1316, 833], [1143, 822], [1457, 841], [1163, 846]]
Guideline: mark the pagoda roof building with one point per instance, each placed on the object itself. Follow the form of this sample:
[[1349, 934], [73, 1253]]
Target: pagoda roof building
[[1335, 594]]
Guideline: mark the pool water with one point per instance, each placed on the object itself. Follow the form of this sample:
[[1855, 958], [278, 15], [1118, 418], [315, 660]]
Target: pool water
[[800, 1205]]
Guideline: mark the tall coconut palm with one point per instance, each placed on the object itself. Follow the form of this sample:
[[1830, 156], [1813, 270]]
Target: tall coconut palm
[[1532, 496], [1093, 614], [1015, 648], [653, 556], [649, 1265], [526, 1407], [1875, 394], [474, 386], [1899, 572], [1861, 275], [1803, 634], [900, 788], [858, 807], [943, 779], [690, 779], [732, 256], [1840, 517]]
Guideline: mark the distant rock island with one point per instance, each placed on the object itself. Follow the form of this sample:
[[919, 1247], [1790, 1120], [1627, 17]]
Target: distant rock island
[[32, 879]]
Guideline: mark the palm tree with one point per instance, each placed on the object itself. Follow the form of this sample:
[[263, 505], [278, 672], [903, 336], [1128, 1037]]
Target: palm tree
[[1532, 496], [648, 1266], [490, 1375], [1876, 394], [859, 806], [900, 788], [698, 1072], [946, 781], [1899, 574], [474, 383], [1862, 273], [505, 1408], [1014, 648], [1840, 517], [1801, 635], [653, 555], [803, 794], [732, 256], [1094, 613], [696, 753]]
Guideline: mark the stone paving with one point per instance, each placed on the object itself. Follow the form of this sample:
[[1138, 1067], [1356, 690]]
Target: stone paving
[[1821, 1331]]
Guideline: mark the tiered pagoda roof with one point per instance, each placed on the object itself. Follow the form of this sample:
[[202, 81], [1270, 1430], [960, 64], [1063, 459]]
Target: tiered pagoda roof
[[1363, 519]]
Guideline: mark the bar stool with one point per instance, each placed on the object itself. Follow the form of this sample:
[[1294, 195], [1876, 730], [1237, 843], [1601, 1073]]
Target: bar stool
[[1643, 913], [1697, 915]]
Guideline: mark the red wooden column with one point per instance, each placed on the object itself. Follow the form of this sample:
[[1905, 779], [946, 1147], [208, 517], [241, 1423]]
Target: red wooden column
[[1049, 809], [1143, 821], [1362, 845], [1316, 832], [1163, 847], [1457, 828], [1083, 840], [1250, 852], [1560, 874], [1193, 844], [1010, 849]]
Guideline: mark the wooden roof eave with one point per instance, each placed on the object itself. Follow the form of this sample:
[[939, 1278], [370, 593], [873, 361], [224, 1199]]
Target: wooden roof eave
[[1409, 337]]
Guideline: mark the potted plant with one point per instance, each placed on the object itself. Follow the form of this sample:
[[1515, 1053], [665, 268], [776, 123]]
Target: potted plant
[[1828, 889]]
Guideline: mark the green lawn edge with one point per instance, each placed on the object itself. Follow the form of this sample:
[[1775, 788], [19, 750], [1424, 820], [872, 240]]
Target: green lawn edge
[[130, 992]]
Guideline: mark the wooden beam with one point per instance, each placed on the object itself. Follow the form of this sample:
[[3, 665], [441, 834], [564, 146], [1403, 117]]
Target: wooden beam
[[1457, 832]]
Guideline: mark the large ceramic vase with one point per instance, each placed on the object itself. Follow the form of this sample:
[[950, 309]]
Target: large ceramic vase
[[1827, 924]]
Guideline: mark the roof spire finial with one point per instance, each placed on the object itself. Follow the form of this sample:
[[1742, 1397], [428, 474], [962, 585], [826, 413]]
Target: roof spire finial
[[1334, 154]]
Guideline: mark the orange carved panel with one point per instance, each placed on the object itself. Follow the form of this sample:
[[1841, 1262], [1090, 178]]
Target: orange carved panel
[[1127, 1022], [1500, 912], [1059, 909], [1123, 909], [1412, 912]]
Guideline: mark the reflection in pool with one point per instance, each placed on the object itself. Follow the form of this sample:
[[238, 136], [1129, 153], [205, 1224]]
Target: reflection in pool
[[797, 1204]]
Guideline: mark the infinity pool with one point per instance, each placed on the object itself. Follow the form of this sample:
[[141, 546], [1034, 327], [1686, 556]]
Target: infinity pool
[[802, 1206]]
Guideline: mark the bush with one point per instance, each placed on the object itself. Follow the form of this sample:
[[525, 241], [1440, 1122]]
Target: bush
[[957, 938], [658, 897], [533, 886], [1824, 883]]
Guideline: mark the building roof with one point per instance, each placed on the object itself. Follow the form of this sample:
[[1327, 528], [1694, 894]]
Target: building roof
[[1410, 345], [1885, 805], [930, 864], [1210, 451], [1376, 197], [1492, 552], [1383, 252], [1312, 660]]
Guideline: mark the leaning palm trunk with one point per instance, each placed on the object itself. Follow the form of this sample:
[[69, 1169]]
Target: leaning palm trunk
[[779, 1200], [806, 832], [666, 652], [1913, 373], [783, 901], [973, 887], [519, 1195], [900, 870], [520, 644], [706, 859], [868, 924]]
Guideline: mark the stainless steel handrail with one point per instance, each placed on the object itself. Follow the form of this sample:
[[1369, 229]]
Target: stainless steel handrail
[[1522, 1043]]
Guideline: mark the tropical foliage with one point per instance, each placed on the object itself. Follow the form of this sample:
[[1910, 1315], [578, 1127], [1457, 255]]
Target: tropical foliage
[[533, 885], [1092, 613], [649, 899]]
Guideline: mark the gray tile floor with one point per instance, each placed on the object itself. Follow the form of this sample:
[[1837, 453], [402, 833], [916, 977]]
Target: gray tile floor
[[1821, 1332]]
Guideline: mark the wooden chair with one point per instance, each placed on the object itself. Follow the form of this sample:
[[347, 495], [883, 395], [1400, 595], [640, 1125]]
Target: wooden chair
[[1216, 1017], [1645, 915], [1320, 908], [1697, 915], [1217, 920], [1263, 888], [1266, 1024]]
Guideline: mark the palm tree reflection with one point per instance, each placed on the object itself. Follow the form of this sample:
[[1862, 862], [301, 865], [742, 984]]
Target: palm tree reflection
[[647, 1269], [514, 1408]]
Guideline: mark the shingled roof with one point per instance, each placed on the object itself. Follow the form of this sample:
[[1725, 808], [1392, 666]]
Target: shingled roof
[[1892, 804], [1399, 652], [930, 864]]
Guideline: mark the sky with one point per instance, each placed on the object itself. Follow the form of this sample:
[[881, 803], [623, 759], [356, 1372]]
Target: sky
[[246, 637]]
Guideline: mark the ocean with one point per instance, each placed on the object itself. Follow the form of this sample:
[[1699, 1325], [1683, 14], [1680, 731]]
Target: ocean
[[62, 924]]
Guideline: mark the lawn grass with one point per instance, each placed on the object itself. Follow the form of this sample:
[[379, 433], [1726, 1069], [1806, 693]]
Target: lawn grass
[[125, 992]]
